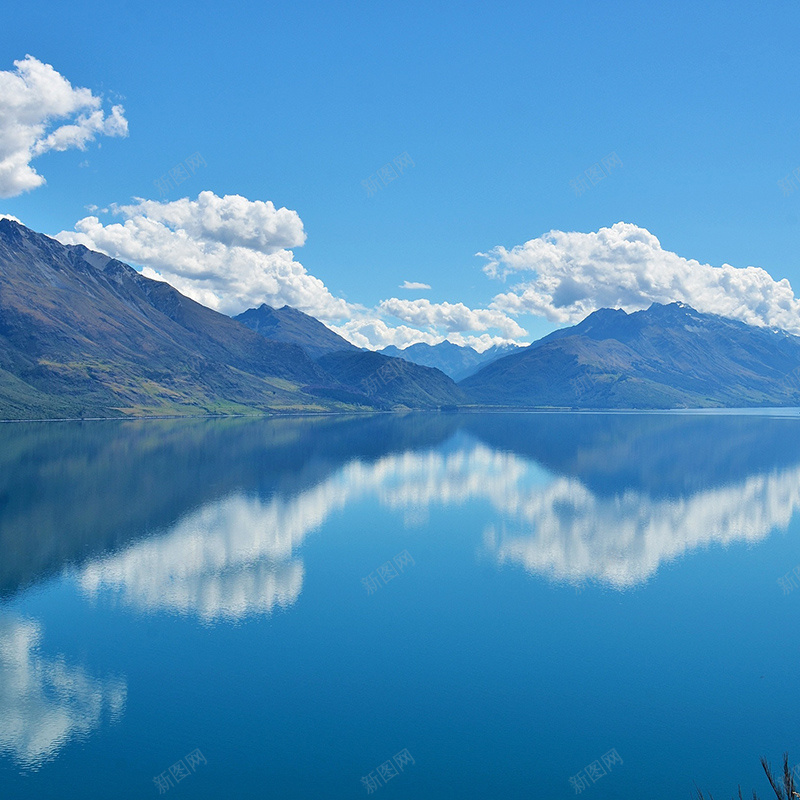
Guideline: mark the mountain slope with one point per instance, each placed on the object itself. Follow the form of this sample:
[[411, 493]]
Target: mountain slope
[[360, 371], [454, 360], [84, 334], [668, 356], [393, 381], [487, 357], [287, 324]]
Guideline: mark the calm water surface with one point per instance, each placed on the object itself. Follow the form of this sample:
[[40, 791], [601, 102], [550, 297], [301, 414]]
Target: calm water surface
[[422, 606]]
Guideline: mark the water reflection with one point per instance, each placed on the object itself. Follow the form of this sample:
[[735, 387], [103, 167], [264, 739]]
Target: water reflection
[[225, 561], [236, 557], [568, 533], [75, 492], [214, 520], [47, 702], [572, 497], [239, 555], [559, 527]]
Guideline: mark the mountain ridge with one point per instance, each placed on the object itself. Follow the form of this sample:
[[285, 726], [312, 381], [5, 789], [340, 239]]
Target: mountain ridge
[[457, 361], [83, 334], [288, 324], [666, 356]]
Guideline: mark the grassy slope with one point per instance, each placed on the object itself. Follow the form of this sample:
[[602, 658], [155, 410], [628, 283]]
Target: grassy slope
[[393, 382], [98, 339], [666, 357]]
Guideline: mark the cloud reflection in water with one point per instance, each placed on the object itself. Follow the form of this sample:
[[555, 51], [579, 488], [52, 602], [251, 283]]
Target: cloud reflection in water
[[237, 556], [46, 702]]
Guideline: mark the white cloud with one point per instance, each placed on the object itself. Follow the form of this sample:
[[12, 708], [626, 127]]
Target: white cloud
[[413, 285], [231, 220], [229, 253], [374, 333], [450, 316], [566, 276], [32, 98]]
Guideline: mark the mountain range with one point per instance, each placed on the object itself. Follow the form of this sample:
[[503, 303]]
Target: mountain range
[[287, 324], [82, 334], [457, 361], [667, 356]]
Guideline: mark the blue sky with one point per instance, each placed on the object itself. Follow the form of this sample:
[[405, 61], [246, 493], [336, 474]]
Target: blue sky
[[499, 107]]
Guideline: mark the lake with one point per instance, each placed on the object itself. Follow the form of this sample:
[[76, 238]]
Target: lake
[[432, 605]]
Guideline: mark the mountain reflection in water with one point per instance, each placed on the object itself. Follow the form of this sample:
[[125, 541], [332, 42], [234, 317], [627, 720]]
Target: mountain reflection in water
[[574, 497], [209, 518]]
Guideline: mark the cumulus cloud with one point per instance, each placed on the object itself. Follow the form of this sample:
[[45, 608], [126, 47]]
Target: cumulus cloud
[[228, 253], [33, 99], [450, 316], [375, 334], [565, 276], [231, 220], [414, 285]]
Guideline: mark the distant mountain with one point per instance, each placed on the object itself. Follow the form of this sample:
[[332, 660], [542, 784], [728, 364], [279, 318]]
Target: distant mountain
[[457, 361], [487, 357], [385, 384], [287, 324], [669, 356], [82, 334], [392, 380]]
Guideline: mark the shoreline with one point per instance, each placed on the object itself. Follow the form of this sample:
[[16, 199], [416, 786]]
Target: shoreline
[[780, 411]]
